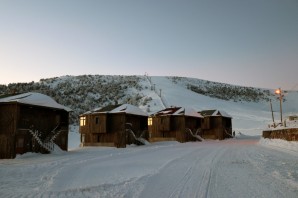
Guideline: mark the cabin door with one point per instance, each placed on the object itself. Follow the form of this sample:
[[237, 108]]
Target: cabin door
[[20, 145], [5, 149]]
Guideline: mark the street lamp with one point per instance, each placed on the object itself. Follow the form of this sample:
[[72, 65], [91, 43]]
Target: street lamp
[[280, 97]]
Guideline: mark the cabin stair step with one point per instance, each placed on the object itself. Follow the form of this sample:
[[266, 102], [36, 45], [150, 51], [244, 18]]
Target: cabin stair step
[[48, 145], [196, 135], [138, 140]]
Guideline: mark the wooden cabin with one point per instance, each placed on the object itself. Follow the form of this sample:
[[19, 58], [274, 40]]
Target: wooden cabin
[[174, 124], [32, 122], [113, 125], [216, 125]]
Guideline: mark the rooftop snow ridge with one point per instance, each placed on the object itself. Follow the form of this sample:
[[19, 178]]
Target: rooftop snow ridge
[[33, 98]]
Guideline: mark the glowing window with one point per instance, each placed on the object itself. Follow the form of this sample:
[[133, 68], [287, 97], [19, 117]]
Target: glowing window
[[149, 121], [82, 121]]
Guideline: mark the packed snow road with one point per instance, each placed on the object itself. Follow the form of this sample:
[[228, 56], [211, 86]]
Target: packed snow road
[[230, 168]]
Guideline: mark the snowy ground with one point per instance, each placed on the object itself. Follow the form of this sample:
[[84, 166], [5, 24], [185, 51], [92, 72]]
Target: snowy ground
[[241, 167]]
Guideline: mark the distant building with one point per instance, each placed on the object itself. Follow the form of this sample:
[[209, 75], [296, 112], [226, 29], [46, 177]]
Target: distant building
[[112, 126], [288, 132], [216, 124], [293, 117], [31, 122], [174, 123]]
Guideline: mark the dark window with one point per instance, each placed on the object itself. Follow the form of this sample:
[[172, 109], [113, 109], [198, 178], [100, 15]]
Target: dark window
[[20, 143], [96, 120]]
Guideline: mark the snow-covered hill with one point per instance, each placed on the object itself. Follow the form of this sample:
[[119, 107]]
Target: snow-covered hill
[[248, 106]]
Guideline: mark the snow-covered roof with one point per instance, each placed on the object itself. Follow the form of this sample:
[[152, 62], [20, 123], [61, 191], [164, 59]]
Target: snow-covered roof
[[124, 108], [179, 111], [215, 113], [129, 109], [36, 99], [222, 113], [188, 112]]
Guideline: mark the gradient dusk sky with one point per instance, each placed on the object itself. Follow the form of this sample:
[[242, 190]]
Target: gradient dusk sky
[[242, 42]]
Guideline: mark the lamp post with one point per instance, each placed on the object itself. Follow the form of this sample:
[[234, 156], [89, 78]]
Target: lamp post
[[280, 96]]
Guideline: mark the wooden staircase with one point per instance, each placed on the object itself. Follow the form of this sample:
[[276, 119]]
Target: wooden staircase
[[46, 141]]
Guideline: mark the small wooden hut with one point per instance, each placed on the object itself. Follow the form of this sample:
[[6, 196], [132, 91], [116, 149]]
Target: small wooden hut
[[174, 123], [216, 125], [113, 125], [32, 122]]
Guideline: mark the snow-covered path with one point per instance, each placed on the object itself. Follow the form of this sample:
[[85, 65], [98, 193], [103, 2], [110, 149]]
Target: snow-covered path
[[230, 168], [227, 169]]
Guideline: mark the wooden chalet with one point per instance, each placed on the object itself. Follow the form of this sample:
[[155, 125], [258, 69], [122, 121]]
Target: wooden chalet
[[113, 125], [31, 122], [216, 125], [174, 123]]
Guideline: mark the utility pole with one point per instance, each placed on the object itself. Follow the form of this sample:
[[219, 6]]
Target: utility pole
[[272, 113]]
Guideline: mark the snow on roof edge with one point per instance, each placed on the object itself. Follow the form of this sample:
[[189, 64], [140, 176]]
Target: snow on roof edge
[[124, 108], [37, 99]]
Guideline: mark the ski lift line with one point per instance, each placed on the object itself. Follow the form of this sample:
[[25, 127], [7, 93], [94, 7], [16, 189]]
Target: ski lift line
[[149, 82], [161, 99]]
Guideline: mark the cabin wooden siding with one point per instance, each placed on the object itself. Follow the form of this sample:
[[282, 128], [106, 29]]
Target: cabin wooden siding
[[178, 127], [216, 127], [97, 123], [162, 127], [16, 120], [173, 127], [8, 123], [110, 130]]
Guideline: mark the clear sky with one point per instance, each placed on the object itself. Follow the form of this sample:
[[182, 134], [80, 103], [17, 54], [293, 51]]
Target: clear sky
[[242, 42]]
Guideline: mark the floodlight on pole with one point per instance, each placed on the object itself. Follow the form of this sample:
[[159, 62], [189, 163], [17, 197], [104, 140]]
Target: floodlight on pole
[[280, 97]]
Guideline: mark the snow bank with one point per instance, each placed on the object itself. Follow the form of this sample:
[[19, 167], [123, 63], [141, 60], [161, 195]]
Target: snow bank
[[287, 146]]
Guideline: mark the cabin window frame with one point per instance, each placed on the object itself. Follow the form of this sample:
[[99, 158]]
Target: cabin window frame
[[83, 121], [96, 120], [150, 121]]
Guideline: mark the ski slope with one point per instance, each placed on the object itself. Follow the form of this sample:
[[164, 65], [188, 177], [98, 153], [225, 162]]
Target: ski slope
[[248, 117]]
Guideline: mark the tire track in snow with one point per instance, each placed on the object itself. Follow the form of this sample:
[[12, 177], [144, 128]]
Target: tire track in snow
[[193, 181], [209, 180], [230, 168], [183, 182]]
